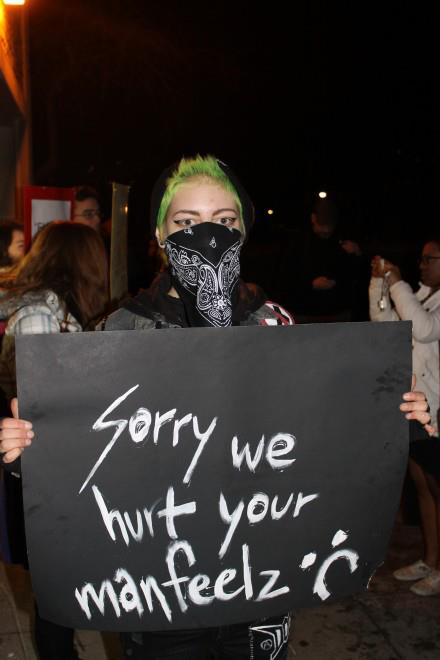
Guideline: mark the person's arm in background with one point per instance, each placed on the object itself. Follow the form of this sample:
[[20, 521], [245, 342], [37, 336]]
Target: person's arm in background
[[426, 324]]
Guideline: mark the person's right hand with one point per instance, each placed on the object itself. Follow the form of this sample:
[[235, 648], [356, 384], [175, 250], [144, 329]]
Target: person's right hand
[[383, 268], [378, 266], [15, 435]]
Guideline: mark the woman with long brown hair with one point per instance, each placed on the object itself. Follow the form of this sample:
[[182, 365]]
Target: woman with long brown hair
[[60, 286]]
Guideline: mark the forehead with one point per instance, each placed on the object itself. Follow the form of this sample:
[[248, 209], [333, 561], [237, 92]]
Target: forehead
[[320, 222], [431, 248], [17, 235], [88, 203], [195, 195]]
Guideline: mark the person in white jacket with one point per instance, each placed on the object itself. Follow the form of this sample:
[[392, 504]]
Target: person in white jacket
[[392, 299]]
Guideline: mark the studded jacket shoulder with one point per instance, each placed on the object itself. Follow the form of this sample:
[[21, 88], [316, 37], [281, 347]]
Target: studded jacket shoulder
[[153, 309]]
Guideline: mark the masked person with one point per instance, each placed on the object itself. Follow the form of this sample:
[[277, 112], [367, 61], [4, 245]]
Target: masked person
[[201, 215]]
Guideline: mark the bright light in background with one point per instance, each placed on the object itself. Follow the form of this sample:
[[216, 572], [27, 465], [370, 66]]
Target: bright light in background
[[269, 211], [14, 2], [322, 194]]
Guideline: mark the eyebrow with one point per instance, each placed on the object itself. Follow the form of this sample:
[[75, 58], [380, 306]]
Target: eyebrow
[[188, 211], [224, 210]]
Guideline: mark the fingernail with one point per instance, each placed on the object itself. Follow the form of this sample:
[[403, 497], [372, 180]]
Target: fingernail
[[30, 434], [408, 415], [407, 395], [27, 425], [27, 442]]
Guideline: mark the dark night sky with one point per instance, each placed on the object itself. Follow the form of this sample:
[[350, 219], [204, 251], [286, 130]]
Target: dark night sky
[[338, 95]]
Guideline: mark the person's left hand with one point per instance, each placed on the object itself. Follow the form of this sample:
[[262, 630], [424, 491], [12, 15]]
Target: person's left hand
[[415, 407]]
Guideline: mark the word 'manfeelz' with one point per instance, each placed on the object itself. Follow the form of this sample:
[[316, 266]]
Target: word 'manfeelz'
[[166, 515]]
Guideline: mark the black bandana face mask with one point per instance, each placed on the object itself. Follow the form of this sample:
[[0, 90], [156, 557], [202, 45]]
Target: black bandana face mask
[[205, 269]]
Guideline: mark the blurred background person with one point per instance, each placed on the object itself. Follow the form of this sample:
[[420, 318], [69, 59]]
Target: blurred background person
[[325, 268], [86, 207], [11, 244], [12, 250], [87, 210]]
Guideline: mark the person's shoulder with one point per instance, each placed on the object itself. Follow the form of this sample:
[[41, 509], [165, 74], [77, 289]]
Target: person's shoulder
[[40, 312], [121, 319], [271, 313], [134, 313], [428, 298], [34, 303]]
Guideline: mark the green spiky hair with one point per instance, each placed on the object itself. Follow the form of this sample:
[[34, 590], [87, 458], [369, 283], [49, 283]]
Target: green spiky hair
[[189, 168]]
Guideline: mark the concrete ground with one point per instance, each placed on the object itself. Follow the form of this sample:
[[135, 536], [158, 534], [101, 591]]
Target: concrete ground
[[386, 623]]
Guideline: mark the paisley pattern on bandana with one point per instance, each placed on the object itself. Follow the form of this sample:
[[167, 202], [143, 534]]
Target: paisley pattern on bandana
[[209, 275]]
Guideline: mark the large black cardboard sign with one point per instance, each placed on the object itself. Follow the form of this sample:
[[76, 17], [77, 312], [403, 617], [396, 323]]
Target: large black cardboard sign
[[195, 477]]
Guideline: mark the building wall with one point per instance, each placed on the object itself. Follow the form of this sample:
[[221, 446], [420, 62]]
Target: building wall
[[15, 122]]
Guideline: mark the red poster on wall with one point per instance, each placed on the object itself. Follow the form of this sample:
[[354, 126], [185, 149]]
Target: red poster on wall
[[43, 204]]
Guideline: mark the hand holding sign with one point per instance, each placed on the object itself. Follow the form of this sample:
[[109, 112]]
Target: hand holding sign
[[15, 435], [416, 408]]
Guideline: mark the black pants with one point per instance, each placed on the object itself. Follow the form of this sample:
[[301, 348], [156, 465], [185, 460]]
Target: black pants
[[266, 639], [53, 642], [426, 453]]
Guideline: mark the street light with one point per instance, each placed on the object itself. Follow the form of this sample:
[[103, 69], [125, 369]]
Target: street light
[[14, 2]]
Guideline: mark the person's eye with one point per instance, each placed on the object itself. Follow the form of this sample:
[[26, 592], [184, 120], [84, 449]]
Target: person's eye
[[227, 221], [184, 222]]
